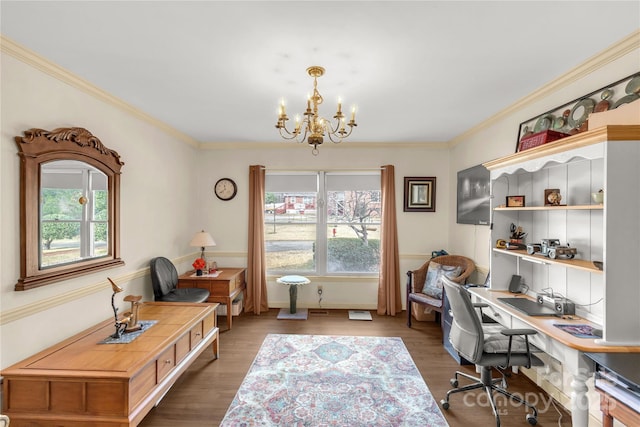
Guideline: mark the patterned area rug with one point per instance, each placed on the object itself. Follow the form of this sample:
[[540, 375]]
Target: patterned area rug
[[318, 380]]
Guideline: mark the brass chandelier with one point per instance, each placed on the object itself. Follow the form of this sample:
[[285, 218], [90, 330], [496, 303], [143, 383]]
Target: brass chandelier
[[313, 124]]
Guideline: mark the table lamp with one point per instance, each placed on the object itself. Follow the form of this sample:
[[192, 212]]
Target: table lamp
[[202, 239]]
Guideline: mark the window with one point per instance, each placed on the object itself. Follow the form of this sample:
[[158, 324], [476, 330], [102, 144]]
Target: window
[[323, 223], [73, 209]]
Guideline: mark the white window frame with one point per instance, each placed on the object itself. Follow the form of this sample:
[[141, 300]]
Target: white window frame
[[321, 239]]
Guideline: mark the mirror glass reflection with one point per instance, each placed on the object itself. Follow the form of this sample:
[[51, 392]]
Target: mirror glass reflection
[[73, 213]]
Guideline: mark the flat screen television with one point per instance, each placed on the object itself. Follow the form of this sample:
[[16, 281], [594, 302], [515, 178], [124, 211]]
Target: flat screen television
[[473, 196]]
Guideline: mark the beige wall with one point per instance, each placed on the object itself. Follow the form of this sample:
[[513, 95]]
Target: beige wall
[[419, 232], [167, 196], [497, 137], [157, 192]]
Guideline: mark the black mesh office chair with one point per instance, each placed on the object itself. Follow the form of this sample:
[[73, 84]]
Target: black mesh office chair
[[164, 278], [488, 347]]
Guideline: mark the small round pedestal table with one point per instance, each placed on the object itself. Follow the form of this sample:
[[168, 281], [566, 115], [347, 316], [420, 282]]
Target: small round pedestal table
[[293, 282]]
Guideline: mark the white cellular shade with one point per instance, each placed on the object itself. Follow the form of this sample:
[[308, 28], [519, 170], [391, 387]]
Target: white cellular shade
[[292, 182], [352, 181], [69, 174]]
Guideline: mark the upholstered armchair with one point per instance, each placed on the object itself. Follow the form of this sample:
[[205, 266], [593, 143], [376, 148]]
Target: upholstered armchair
[[430, 293]]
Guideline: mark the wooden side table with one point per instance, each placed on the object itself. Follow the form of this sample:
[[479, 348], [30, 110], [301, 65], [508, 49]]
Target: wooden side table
[[223, 288]]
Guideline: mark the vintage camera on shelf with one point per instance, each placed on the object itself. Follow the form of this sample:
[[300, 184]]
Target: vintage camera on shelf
[[551, 248], [515, 244]]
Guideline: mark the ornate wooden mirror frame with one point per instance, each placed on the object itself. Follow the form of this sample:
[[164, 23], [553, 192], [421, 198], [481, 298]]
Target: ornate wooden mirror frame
[[37, 147]]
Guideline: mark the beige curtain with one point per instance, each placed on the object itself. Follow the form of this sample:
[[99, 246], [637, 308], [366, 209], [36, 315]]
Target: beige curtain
[[256, 301], [389, 300]]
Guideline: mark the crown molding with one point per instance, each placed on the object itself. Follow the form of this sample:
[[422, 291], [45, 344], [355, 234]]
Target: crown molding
[[599, 60], [36, 61], [610, 54], [343, 145]]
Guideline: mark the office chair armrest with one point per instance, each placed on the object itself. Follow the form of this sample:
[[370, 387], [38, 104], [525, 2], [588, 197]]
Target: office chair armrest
[[524, 332], [521, 332]]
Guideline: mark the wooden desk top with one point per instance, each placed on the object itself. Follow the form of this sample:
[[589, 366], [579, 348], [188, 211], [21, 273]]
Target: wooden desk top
[[83, 354], [546, 324], [225, 273]]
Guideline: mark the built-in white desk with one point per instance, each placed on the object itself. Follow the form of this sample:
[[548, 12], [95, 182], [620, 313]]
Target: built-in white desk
[[559, 344]]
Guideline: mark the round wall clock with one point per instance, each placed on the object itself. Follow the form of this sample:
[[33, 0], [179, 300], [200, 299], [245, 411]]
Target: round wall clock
[[225, 189]]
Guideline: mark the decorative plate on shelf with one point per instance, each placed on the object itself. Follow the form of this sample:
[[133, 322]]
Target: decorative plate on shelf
[[543, 123], [633, 86], [584, 107], [625, 100]]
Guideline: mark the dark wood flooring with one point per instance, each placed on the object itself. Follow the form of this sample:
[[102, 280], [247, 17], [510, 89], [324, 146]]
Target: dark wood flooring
[[205, 391]]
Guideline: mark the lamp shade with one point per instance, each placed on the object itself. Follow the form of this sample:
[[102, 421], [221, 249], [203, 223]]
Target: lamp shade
[[202, 239]]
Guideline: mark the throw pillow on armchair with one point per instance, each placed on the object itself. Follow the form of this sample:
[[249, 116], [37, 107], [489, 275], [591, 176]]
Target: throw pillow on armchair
[[433, 283]]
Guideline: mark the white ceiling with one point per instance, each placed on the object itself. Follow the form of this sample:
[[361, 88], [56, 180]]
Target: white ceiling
[[418, 71]]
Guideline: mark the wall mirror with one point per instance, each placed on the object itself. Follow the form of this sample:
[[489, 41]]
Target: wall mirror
[[69, 206]]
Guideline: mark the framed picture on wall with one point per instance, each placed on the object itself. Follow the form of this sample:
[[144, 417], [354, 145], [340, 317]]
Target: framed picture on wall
[[419, 194], [473, 196]]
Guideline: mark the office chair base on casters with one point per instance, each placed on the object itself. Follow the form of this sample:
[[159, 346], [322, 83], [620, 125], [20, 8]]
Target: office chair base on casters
[[489, 384]]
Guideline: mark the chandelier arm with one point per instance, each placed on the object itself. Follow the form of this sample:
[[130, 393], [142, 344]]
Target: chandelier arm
[[331, 129], [284, 133], [303, 136], [340, 126], [335, 141]]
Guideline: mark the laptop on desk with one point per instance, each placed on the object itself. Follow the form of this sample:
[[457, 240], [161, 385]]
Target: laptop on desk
[[528, 307]]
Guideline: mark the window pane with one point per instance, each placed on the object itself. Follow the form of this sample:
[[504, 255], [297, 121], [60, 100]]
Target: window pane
[[60, 242], [60, 204], [353, 248], [290, 247], [100, 211], [99, 232], [290, 231], [353, 207]]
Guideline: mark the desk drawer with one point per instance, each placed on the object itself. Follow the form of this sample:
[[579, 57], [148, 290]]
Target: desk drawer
[[196, 335], [165, 363], [499, 315], [183, 347], [209, 322], [222, 287]]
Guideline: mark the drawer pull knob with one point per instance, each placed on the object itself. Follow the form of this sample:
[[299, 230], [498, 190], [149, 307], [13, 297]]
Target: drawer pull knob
[[168, 361], [496, 314], [197, 334]]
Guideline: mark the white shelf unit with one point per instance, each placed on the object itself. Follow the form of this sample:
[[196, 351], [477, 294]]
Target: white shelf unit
[[606, 158]]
